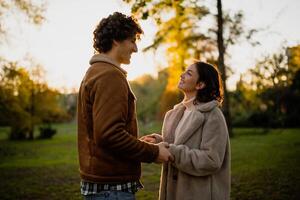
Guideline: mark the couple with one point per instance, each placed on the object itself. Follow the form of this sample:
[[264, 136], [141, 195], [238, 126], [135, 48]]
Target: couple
[[194, 145]]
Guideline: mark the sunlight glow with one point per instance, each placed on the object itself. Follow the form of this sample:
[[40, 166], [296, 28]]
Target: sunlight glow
[[63, 44]]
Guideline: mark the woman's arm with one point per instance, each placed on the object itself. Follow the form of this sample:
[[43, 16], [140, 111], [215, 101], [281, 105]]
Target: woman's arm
[[209, 157]]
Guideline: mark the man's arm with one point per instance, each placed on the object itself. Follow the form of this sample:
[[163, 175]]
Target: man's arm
[[110, 111]]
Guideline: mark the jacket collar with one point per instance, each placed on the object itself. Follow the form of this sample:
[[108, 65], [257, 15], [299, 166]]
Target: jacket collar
[[194, 120], [104, 58]]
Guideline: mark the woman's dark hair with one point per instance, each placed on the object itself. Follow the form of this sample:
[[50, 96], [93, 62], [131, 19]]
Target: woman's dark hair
[[210, 76], [117, 27]]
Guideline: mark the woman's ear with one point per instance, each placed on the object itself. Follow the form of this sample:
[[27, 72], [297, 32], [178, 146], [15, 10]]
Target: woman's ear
[[200, 86]]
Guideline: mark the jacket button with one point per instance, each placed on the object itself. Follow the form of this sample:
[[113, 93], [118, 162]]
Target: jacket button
[[106, 194]]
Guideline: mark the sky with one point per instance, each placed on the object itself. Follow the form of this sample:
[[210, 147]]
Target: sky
[[63, 43]]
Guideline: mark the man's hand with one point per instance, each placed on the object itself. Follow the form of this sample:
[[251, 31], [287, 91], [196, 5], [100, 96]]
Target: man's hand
[[152, 138], [164, 153], [148, 138]]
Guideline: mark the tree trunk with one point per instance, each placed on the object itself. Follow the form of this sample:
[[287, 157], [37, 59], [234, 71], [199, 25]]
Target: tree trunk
[[31, 128], [222, 67]]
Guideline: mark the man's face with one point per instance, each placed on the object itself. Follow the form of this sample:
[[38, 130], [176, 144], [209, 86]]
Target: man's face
[[124, 50]]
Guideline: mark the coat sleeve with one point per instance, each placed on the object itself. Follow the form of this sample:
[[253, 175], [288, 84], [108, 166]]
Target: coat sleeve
[[209, 157], [110, 116]]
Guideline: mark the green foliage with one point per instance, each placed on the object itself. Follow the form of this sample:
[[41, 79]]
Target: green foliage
[[148, 91], [270, 97], [168, 100], [15, 81], [180, 32], [293, 54], [291, 102], [26, 100]]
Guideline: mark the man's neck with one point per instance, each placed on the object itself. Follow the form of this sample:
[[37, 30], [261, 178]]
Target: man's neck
[[112, 56]]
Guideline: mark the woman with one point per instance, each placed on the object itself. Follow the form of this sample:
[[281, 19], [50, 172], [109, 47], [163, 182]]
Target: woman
[[198, 139]]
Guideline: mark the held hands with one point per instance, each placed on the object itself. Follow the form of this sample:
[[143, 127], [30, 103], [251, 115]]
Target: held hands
[[164, 153], [152, 138], [148, 138]]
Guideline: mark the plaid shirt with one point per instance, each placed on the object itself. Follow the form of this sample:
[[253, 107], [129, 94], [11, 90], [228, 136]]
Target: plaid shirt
[[88, 188]]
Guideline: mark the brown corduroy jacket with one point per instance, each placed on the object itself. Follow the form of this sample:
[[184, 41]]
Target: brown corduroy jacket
[[109, 151]]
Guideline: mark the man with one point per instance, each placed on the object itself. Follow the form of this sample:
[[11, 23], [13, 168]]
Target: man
[[110, 154]]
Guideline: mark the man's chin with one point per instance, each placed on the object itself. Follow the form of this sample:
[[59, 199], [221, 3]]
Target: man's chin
[[126, 62]]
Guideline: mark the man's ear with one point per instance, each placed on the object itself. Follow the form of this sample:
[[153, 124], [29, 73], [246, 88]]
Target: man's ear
[[115, 43], [200, 86]]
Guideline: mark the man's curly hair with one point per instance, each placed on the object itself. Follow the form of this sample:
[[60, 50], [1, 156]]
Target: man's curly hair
[[117, 27]]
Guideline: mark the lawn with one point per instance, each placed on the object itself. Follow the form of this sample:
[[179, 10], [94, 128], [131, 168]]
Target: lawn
[[265, 166]]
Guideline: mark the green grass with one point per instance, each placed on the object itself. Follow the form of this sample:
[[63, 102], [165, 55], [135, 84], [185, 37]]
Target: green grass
[[265, 165]]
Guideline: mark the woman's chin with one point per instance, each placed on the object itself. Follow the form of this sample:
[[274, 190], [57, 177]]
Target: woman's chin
[[181, 88]]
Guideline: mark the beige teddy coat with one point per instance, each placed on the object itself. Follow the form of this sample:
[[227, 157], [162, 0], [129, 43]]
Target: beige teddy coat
[[201, 169]]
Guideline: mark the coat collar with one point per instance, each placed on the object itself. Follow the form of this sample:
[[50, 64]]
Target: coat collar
[[193, 122], [202, 107], [106, 59], [174, 117]]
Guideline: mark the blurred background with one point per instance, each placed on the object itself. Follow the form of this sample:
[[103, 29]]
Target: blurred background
[[45, 46]]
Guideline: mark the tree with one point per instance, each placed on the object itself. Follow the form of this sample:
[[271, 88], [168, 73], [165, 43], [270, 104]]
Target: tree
[[33, 12], [273, 82], [14, 99], [221, 65], [179, 34], [18, 78], [293, 54], [292, 102], [26, 102], [179, 30], [148, 91], [292, 98]]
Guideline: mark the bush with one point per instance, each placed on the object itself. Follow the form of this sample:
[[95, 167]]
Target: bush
[[18, 133], [46, 132]]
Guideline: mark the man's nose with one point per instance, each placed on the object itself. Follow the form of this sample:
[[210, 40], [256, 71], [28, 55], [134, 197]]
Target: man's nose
[[135, 49]]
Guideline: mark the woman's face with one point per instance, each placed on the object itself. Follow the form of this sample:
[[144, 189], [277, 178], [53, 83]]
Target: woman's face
[[188, 80]]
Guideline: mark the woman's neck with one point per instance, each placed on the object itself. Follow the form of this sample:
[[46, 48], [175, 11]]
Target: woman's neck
[[188, 101], [189, 96]]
